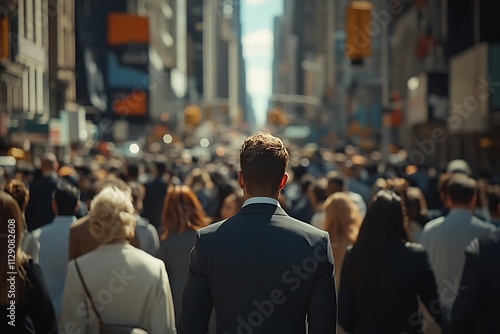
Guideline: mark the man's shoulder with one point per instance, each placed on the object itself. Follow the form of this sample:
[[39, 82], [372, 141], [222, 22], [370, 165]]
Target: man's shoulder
[[481, 224], [485, 245], [286, 223], [434, 224]]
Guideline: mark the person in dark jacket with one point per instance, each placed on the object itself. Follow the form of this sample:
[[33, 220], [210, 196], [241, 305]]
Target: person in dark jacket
[[261, 270], [25, 305], [39, 210], [384, 275], [155, 191], [475, 310]]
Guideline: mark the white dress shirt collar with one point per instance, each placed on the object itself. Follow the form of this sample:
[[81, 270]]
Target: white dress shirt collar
[[262, 200]]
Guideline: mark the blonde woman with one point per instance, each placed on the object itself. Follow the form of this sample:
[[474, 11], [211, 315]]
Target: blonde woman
[[128, 286], [342, 221]]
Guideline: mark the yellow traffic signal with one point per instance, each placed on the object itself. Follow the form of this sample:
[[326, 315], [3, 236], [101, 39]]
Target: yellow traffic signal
[[358, 30], [192, 115]]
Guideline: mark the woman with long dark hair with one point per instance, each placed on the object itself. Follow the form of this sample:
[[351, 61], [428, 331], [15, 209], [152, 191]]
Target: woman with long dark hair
[[384, 275], [25, 304]]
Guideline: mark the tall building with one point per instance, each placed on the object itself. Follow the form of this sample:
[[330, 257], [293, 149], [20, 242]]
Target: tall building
[[341, 101], [37, 77], [214, 45]]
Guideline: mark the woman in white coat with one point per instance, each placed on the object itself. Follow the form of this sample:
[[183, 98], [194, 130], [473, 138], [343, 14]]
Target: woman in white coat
[[127, 285]]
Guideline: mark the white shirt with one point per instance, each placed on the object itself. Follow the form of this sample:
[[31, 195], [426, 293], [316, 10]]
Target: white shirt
[[262, 200], [445, 239], [53, 256]]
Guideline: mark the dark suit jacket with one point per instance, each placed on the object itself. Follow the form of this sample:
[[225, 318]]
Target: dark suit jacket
[[154, 196], [39, 210], [264, 272], [477, 308]]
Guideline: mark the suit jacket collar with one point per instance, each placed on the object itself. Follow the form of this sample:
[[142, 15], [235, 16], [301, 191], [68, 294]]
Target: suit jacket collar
[[261, 208]]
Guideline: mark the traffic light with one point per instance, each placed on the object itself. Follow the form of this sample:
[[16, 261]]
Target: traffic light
[[192, 115], [358, 31]]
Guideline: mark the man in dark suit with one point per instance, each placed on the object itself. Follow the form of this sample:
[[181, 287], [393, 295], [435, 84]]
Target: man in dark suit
[[476, 307], [39, 210], [155, 191], [261, 270]]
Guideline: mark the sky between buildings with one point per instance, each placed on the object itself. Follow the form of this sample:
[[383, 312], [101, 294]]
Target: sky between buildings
[[257, 18]]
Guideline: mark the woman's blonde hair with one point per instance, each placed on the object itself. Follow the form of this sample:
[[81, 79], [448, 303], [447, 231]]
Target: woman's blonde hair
[[342, 218], [112, 216]]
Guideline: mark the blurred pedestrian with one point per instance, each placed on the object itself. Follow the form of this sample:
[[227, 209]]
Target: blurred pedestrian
[[336, 183], [183, 215], [155, 191], [81, 241], [135, 283], [445, 238], [53, 239], [39, 210], [231, 205], [23, 286], [342, 221], [475, 310], [146, 233], [261, 268], [21, 194], [384, 275], [416, 209]]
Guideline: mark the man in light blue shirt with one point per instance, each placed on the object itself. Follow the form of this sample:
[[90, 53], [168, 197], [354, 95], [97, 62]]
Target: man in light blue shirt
[[54, 241], [446, 238]]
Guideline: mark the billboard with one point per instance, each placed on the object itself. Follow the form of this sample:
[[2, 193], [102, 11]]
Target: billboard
[[127, 58]]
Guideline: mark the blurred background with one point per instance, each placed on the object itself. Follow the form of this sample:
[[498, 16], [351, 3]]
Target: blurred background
[[415, 81]]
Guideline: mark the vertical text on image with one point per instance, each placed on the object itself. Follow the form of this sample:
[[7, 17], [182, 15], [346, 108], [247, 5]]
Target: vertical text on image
[[11, 274]]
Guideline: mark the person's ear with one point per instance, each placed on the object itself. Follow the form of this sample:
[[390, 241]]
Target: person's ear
[[283, 181], [241, 182]]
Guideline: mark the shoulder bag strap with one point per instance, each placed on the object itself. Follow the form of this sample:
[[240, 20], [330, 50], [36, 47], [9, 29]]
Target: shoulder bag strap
[[87, 291]]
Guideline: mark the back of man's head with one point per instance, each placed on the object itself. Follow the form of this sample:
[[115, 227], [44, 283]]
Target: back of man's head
[[263, 160], [461, 190], [66, 197], [336, 182], [49, 163]]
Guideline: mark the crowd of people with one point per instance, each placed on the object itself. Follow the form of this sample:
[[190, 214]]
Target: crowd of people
[[276, 241]]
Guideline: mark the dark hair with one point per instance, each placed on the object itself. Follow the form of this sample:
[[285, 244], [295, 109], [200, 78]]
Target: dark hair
[[461, 189], [305, 182], [160, 168], [319, 190], [384, 223], [335, 178], [263, 160], [66, 197]]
